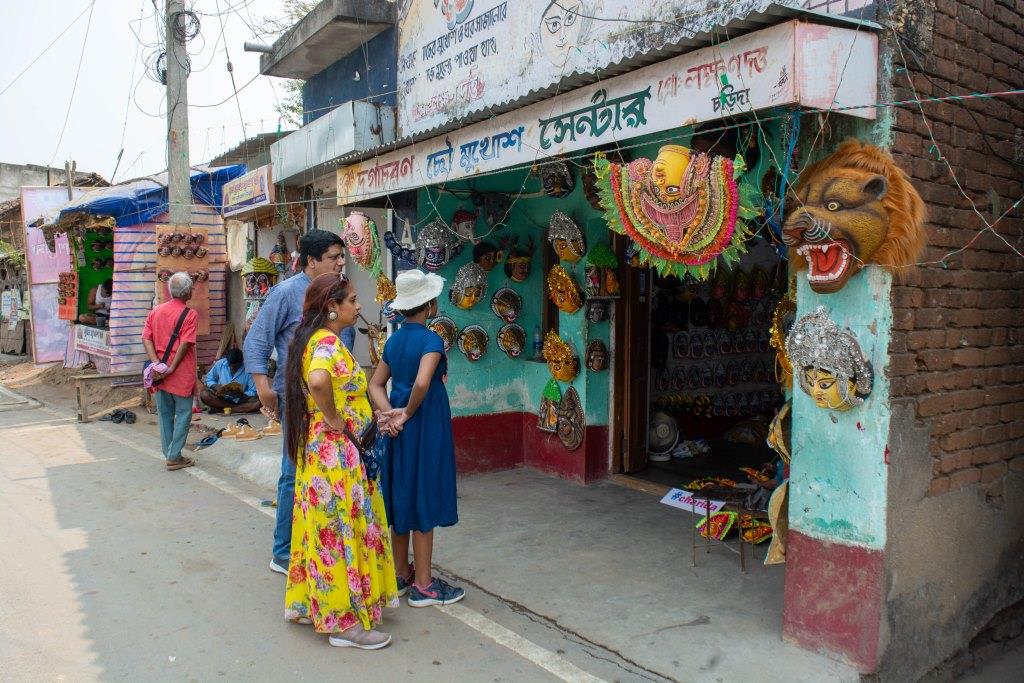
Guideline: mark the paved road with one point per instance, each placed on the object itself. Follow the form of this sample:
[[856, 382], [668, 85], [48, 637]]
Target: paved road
[[116, 569]]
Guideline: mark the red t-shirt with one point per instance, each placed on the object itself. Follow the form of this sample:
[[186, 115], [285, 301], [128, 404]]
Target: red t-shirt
[[159, 325]]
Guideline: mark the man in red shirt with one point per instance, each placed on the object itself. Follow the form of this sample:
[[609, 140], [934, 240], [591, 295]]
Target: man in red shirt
[[176, 384]]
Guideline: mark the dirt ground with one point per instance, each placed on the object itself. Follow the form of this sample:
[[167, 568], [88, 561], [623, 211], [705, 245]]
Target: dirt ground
[[52, 382]]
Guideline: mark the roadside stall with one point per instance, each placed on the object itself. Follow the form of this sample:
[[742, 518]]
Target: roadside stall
[[117, 237]]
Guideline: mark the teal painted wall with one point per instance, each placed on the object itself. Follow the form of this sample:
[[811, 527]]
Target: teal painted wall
[[497, 383], [839, 476]]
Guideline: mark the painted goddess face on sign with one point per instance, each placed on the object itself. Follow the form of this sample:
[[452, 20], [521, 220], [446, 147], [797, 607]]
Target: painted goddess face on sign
[[560, 27]]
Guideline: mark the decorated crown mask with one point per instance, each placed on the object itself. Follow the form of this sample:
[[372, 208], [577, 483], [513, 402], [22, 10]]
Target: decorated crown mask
[[563, 290], [469, 287], [565, 237], [829, 362], [562, 362]]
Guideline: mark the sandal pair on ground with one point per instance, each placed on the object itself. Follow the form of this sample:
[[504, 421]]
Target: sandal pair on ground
[[243, 431], [118, 416]]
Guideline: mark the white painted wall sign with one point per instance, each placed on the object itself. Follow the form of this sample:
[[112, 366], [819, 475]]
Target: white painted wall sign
[[461, 56], [794, 63]]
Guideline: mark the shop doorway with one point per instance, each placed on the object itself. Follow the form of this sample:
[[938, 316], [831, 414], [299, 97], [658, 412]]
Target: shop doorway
[[696, 375]]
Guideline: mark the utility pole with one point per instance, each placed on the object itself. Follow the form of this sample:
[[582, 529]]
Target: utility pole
[[69, 168], [179, 189]]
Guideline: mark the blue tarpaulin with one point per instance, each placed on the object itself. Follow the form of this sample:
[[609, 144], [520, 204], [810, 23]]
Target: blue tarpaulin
[[139, 201]]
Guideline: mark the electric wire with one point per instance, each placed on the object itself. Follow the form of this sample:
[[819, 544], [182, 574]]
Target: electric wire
[[47, 48], [74, 87]]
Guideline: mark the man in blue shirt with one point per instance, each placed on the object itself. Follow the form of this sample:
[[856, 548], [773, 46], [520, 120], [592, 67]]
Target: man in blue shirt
[[320, 252], [229, 385]]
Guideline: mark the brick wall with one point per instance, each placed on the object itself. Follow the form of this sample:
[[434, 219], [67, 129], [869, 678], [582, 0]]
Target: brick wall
[[958, 339]]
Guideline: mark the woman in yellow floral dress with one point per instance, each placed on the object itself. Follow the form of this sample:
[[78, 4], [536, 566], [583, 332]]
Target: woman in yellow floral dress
[[341, 572]]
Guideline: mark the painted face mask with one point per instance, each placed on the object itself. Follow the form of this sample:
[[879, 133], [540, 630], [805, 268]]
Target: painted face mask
[[547, 414], [469, 287], [446, 329], [758, 284], [507, 304], [562, 362], [855, 207], [829, 362], [683, 210], [486, 255], [436, 245], [571, 420], [556, 178], [360, 236], [519, 260], [566, 238], [597, 356], [512, 340], [563, 290], [473, 342], [463, 223]]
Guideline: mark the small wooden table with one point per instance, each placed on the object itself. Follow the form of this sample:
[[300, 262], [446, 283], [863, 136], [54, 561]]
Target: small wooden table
[[86, 378], [733, 503]]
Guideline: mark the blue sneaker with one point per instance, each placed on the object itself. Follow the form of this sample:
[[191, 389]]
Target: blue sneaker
[[438, 592], [405, 584]]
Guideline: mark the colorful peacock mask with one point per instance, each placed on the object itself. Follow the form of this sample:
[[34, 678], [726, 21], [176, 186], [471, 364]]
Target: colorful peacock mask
[[683, 210]]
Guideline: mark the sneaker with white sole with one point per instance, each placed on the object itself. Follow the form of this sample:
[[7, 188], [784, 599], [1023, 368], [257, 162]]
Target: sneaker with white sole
[[405, 584], [439, 592], [360, 638], [279, 566]]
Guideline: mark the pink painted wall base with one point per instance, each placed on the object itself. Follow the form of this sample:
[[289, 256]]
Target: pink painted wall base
[[833, 600], [485, 443]]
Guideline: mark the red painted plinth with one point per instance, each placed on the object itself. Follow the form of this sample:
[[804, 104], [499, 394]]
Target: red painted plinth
[[485, 443], [833, 600]]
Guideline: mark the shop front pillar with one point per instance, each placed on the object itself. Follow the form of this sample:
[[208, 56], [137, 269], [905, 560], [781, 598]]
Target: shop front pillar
[[835, 567]]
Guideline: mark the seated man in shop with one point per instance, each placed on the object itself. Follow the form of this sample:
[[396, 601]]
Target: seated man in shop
[[99, 305], [228, 385]]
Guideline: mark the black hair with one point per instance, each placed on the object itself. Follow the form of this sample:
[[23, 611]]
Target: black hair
[[321, 291], [108, 284], [482, 249], [233, 356], [315, 243], [414, 311]]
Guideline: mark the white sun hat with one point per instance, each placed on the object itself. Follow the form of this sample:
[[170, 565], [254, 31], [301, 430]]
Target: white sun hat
[[416, 288]]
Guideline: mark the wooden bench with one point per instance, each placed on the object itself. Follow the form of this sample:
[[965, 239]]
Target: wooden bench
[[123, 379]]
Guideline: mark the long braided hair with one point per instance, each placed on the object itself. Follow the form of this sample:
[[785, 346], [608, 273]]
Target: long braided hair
[[324, 289]]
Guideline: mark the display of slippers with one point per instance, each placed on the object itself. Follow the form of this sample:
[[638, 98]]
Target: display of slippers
[[247, 433], [232, 431], [273, 428]]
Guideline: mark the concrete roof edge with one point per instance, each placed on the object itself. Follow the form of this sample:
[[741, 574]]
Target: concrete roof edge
[[369, 12]]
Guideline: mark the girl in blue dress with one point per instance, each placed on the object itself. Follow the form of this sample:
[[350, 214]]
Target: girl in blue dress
[[417, 475]]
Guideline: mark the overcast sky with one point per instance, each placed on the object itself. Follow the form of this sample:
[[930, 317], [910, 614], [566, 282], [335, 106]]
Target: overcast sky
[[32, 111]]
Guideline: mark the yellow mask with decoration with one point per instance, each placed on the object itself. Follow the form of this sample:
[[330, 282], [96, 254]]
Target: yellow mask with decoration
[[562, 362], [668, 171], [563, 290]]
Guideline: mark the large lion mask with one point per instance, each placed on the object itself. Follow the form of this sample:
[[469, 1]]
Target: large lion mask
[[855, 207]]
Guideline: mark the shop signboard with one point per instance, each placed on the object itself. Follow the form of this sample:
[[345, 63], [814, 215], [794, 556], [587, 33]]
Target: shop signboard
[[92, 340], [461, 56], [793, 63], [248, 192]]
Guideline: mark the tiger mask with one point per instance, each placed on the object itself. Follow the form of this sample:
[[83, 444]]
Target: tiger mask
[[853, 207]]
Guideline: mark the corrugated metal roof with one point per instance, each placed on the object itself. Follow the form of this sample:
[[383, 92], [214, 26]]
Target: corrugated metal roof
[[740, 24]]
